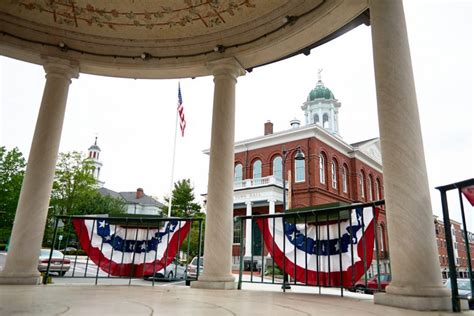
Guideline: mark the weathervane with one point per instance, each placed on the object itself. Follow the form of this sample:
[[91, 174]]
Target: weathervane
[[320, 70]]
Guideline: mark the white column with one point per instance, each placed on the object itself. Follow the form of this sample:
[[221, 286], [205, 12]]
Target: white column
[[271, 207], [219, 217], [416, 281], [248, 231], [332, 126], [21, 266]]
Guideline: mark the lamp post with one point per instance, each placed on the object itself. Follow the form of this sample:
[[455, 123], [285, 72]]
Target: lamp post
[[298, 156]]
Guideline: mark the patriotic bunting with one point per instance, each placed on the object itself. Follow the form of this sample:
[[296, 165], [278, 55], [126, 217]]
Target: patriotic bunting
[[316, 255], [130, 251]]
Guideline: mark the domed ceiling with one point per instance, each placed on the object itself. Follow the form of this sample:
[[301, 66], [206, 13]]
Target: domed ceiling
[[167, 38]]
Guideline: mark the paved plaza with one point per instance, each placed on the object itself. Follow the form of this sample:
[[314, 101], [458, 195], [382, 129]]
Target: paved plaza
[[170, 299]]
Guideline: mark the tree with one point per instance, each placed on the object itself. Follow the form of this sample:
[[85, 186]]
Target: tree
[[96, 203], [184, 206], [183, 200], [73, 181], [75, 193], [12, 171]]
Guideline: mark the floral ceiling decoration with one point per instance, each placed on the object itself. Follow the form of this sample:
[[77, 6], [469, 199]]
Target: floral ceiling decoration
[[209, 13]]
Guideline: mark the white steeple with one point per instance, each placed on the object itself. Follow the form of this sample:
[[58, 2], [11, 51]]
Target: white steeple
[[322, 108], [94, 152]]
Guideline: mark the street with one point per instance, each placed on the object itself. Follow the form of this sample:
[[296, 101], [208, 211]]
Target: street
[[84, 271]]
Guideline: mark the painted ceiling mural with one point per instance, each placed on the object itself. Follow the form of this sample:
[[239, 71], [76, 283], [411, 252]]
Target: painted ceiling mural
[[169, 18]]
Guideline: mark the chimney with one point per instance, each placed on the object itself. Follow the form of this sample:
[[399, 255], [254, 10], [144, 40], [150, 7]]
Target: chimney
[[268, 128], [140, 193]]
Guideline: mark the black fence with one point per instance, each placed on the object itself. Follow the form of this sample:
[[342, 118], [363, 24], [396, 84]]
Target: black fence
[[124, 247], [468, 243], [333, 247]]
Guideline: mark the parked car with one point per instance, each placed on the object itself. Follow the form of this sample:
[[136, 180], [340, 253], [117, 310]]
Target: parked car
[[464, 290], [59, 263], [192, 267], [372, 284], [174, 271]]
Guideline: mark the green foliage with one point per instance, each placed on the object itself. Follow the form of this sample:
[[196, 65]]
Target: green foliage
[[95, 203], [12, 170], [75, 193], [73, 182], [276, 271], [194, 237], [183, 204]]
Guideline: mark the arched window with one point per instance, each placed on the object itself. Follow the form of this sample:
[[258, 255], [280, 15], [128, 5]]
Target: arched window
[[377, 189], [299, 170], [334, 174], [322, 167], [257, 169], [325, 120], [382, 238], [316, 118], [370, 188], [344, 178], [362, 184], [238, 172], [277, 168]]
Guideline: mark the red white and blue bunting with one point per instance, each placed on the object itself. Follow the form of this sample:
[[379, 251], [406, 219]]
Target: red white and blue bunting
[[323, 253], [130, 251]]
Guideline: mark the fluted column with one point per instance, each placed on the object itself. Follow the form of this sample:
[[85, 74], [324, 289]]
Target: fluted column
[[219, 217], [248, 230], [416, 279], [21, 266]]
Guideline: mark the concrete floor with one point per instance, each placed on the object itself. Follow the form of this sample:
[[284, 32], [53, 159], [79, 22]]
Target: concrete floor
[[180, 300]]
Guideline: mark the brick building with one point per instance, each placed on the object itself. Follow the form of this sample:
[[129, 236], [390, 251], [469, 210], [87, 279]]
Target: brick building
[[459, 248], [332, 171]]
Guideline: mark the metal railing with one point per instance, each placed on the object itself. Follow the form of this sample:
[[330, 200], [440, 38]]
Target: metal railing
[[258, 182], [309, 257], [102, 247], [459, 186]]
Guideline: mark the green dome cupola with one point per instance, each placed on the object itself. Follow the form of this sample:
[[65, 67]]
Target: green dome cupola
[[320, 91], [322, 108]]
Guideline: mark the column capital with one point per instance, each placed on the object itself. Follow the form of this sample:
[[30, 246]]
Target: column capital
[[226, 66], [248, 203], [271, 200], [59, 67]]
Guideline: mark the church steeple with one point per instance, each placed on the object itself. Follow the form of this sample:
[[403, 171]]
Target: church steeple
[[94, 152], [321, 107]]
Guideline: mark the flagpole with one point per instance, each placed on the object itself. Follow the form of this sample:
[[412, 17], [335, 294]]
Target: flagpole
[[172, 164]]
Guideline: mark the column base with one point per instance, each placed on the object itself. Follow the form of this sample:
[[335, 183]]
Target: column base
[[420, 303], [215, 283], [19, 279]]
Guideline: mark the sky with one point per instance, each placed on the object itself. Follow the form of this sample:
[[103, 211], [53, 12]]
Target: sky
[[134, 120]]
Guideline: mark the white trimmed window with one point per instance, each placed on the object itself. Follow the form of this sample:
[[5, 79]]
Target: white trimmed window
[[361, 184], [277, 168], [334, 174], [299, 170], [344, 179], [322, 175], [257, 169], [238, 172], [377, 189], [369, 189]]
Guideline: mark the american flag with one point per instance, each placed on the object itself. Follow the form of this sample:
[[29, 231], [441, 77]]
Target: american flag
[[182, 121]]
